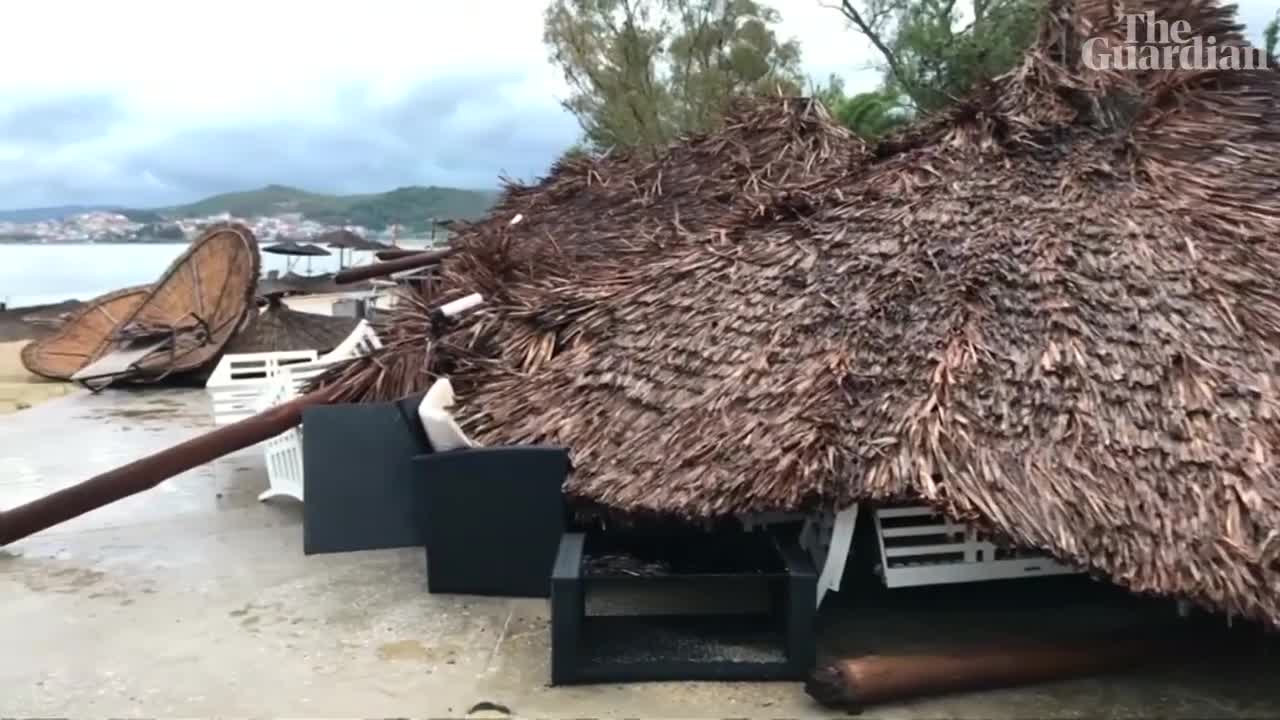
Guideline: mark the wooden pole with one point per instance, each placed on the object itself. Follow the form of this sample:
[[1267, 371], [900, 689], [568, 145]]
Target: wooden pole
[[855, 683], [397, 253], [144, 474], [417, 260]]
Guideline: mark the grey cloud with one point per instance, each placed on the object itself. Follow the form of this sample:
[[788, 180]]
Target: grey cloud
[[455, 131], [53, 121]]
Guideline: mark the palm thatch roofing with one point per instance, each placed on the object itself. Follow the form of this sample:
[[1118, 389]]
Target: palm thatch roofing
[[277, 328], [1051, 310]]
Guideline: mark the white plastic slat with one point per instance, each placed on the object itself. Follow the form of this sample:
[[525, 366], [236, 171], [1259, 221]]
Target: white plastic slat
[[917, 530], [947, 573], [840, 542], [913, 550]]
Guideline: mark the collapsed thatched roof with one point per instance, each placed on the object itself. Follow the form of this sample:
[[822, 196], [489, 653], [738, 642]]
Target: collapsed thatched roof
[[1051, 310], [279, 329]]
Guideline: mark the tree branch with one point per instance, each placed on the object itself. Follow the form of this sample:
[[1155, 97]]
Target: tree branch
[[850, 12]]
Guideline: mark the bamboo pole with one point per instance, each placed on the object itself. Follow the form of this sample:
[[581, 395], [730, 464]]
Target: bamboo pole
[[144, 474], [855, 683], [365, 272]]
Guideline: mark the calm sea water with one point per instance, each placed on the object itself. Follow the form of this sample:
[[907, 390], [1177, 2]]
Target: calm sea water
[[39, 274]]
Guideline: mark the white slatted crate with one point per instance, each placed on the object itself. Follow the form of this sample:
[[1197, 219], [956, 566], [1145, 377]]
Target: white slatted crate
[[918, 546]]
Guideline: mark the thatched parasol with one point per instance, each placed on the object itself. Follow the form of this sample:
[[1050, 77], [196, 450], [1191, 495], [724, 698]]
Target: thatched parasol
[[1050, 310], [277, 329], [293, 247], [297, 249], [347, 240]]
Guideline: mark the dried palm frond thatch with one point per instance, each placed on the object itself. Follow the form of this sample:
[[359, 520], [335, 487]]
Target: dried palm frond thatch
[[86, 332], [277, 328], [1050, 310]]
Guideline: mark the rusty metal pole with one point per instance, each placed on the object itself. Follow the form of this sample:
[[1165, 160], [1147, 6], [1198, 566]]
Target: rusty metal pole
[[152, 470], [417, 260]]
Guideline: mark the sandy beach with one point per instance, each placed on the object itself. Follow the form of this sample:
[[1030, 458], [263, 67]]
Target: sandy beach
[[20, 389]]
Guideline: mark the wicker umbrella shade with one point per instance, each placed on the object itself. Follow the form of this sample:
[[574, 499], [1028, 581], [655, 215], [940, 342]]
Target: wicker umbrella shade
[[277, 329], [187, 316], [294, 248], [81, 337]]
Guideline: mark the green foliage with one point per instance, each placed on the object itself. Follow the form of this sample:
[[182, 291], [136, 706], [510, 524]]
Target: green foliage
[[646, 71], [413, 207], [934, 51], [1271, 35], [869, 115]]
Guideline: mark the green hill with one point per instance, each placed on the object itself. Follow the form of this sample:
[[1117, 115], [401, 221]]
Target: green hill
[[413, 207]]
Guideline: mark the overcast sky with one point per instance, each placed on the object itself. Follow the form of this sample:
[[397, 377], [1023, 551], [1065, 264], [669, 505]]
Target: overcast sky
[[155, 102]]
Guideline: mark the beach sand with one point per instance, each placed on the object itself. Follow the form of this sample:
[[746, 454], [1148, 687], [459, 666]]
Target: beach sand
[[20, 389]]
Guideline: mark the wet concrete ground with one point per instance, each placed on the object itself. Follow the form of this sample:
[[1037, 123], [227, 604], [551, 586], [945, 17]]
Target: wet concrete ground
[[195, 599]]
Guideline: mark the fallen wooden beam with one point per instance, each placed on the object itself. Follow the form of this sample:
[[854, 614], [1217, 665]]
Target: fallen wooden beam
[[855, 683], [144, 474], [397, 253], [382, 269]]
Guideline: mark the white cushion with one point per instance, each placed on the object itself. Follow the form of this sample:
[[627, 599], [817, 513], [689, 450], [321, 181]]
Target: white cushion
[[442, 431]]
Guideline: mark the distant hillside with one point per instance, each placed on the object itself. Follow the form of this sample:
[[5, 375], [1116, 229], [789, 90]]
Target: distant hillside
[[30, 215], [413, 207]]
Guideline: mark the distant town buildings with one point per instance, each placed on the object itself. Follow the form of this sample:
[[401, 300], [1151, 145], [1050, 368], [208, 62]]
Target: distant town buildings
[[110, 227]]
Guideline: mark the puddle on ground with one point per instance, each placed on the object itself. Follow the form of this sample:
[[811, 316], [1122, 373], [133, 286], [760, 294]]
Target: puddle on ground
[[404, 650], [92, 584]]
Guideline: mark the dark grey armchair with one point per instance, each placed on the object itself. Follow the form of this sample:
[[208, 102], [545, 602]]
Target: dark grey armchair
[[490, 518]]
